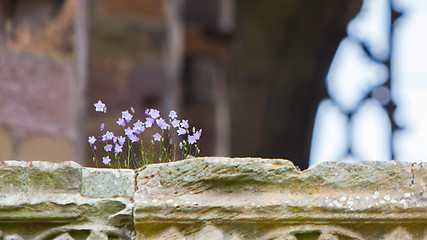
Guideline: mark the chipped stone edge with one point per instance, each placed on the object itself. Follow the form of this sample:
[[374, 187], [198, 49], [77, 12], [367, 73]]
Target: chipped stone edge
[[153, 208], [155, 200]]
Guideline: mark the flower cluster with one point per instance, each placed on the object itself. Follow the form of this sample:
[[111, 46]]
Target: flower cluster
[[164, 136]]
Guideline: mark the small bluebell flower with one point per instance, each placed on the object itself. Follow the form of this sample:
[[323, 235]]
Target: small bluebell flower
[[92, 139], [162, 124], [157, 137], [154, 113], [100, 107], [191, 139], [127, 116], [117, 149], [108, 147], [107, 136], [133, 138], [175, 123], [184, 124], [198, 134], [149, 123], [121, 122], [106, 160], [181, 131], [138, 127], [121, 140], [172, 114], [128, 131]]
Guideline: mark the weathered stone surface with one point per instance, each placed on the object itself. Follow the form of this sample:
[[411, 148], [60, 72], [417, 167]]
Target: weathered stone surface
[[170, 233], [214, 198], [42, 200], [102, 183], [38, 178], [272, 199]]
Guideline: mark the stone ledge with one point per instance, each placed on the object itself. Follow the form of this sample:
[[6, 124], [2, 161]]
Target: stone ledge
[[214, 198], [253, 198], [251, 189]]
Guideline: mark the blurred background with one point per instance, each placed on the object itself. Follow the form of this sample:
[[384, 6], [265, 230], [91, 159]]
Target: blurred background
[[303, 80]]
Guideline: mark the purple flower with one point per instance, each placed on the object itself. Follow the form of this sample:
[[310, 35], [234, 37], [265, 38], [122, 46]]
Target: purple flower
[[121, 140], [91, 140], [108, 147], [198, 134], [133, 138], [94, 148], [149, 123], [138, 127], [162, 124], [102, 127], [154, 113], [127, 116], [192, 139], [110, 135], [106, 160], [175, 123], [107, 136], [128, 131], [157, 137], [100, 107], [117, 149], [184, 124], [147, 111], [181, 131], [172, 114], [121, 122]]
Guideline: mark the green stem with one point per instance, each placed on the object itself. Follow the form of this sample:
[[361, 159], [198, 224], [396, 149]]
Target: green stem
[[128, 154], [143, 160], [94, 158]]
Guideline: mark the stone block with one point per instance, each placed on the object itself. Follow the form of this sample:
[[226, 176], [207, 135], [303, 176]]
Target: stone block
[[106, 183], [36, 191], [38, 178]]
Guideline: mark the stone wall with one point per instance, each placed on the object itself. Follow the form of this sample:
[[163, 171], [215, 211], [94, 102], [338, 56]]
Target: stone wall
[[39, 84], [214, 198]]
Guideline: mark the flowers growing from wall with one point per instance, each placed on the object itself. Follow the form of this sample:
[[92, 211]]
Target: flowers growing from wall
[[169, 139]]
